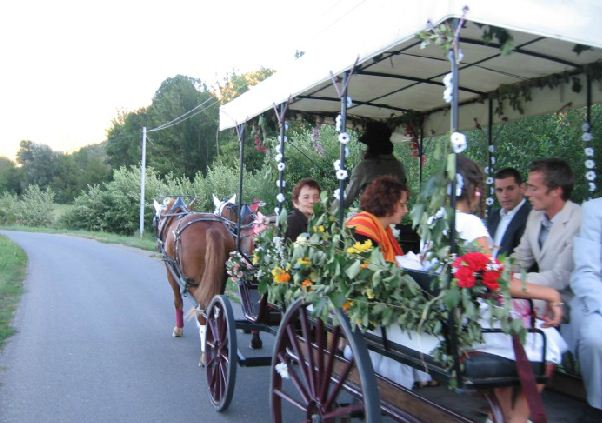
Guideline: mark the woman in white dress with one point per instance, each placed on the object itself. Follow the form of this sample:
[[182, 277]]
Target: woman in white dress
[[470, 228]]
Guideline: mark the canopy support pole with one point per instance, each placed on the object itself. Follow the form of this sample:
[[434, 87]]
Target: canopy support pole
[[420, 153], [343, 147], [240, 132], [452, 320], [281, 115], [590, 170], [490, 154]]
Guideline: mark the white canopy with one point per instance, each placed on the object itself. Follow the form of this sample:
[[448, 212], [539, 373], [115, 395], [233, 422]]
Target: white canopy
[[394, 75]]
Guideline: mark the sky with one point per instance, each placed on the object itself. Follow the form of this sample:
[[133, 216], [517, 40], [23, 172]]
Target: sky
[[68, 68]]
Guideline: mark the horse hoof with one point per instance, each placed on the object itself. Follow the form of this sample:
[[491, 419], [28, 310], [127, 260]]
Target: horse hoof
[[256, 343], [177, 332], [202, 360]]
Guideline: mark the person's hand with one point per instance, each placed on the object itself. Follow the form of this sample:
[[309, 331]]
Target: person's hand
[[554, 311]]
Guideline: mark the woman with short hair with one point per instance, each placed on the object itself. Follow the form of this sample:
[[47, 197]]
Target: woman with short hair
[[383, 203], [305, 194]]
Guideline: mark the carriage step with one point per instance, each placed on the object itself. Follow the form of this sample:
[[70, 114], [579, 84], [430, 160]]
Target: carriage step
[[254, 361]]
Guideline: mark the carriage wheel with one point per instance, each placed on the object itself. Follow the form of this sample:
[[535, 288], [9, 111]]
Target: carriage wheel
[[310, 376], [221, 352]]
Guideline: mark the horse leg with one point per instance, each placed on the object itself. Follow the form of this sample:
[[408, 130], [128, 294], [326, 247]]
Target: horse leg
[[178, 329], [202, 324], [256, 342]]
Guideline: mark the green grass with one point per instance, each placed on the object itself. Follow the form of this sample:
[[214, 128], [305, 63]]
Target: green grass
[[13, 266]]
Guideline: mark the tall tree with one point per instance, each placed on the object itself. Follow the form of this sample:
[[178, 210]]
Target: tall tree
[[188, 115], [9, 176], [38, 162], [123, 139]]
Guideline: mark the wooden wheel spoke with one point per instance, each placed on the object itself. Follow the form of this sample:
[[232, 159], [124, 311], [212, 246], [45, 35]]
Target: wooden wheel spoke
[[223, 384], [215, 385], [212, 330], [320, 335], [211, 360], [308, 346], [337, 387], [211, 376], [297, 350], [295, 380], [345, 410], [223, 328], [329, 364], [290, 400]]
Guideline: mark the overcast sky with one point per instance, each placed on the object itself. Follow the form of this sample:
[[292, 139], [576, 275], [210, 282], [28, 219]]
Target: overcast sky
[[68, 67]]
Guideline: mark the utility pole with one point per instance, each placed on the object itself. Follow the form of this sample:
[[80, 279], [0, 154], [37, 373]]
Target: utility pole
[[142, 177]]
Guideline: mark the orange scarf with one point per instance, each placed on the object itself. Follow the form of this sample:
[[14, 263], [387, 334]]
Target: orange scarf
[[368, 225]]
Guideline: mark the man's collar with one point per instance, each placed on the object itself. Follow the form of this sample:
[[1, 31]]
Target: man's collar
[[559, 212], [503, 212]]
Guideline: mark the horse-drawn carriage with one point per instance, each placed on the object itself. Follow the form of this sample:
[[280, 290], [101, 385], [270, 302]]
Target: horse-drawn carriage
[[394, 77]]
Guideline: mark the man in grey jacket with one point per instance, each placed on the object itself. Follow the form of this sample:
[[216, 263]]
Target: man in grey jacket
[[586, 307], [551, 227]]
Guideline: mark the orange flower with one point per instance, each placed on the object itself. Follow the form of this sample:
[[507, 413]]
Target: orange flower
[[347, 305], [280, 275], [364, 265], [306, 284]]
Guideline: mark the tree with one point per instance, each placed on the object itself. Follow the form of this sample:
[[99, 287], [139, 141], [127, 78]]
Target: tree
[[123, 139], [9, 176], [91, 163], [234, 84], [187, 114], [38, 162]]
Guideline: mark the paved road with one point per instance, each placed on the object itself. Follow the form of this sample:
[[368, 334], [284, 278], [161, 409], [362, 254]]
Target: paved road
[[94, 343]]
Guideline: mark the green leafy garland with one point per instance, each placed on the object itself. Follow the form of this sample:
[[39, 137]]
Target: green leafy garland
[[328, 268]]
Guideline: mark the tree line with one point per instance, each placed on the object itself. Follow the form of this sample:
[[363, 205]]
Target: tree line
[[191, 158], [187, 146]]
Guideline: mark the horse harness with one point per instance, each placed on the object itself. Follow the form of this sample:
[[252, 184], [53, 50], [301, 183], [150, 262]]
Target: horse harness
[[173, 263]]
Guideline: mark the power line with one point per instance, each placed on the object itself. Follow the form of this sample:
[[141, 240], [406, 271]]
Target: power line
[[187, 115]]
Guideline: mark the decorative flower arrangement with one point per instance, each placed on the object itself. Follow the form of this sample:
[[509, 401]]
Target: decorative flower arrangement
[[328, 268], [477, 271], [238, 267]]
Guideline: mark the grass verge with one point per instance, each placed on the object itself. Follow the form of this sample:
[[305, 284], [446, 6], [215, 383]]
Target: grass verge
[[13, 266]]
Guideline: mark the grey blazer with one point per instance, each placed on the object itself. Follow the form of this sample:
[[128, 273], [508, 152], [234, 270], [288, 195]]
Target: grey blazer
[[555, 259]]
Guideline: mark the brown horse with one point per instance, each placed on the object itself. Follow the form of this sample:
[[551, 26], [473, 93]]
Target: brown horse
[[195, 248]]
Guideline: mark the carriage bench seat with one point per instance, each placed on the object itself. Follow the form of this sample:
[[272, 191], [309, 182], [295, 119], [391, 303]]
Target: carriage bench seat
[[481, 370]]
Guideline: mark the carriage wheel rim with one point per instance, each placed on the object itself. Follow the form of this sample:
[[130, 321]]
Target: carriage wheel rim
[[317, 380], [220, 349]]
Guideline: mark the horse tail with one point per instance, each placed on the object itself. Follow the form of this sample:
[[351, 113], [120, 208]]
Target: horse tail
[[214, 274]]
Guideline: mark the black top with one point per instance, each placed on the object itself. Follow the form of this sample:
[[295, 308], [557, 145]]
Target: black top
[[296, 224], [515, 229]]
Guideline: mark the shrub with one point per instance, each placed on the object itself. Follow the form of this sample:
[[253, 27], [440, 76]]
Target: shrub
[[8, 205], [35, 207]]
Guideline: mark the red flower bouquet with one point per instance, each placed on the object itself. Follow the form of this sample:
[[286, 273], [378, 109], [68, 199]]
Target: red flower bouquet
[[474, 269]]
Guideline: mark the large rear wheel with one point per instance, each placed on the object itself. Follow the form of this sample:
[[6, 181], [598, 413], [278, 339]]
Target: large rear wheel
[[311, 381], [222, 353]]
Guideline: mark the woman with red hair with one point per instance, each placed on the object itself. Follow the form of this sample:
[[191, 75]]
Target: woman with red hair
[[383, 203]]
